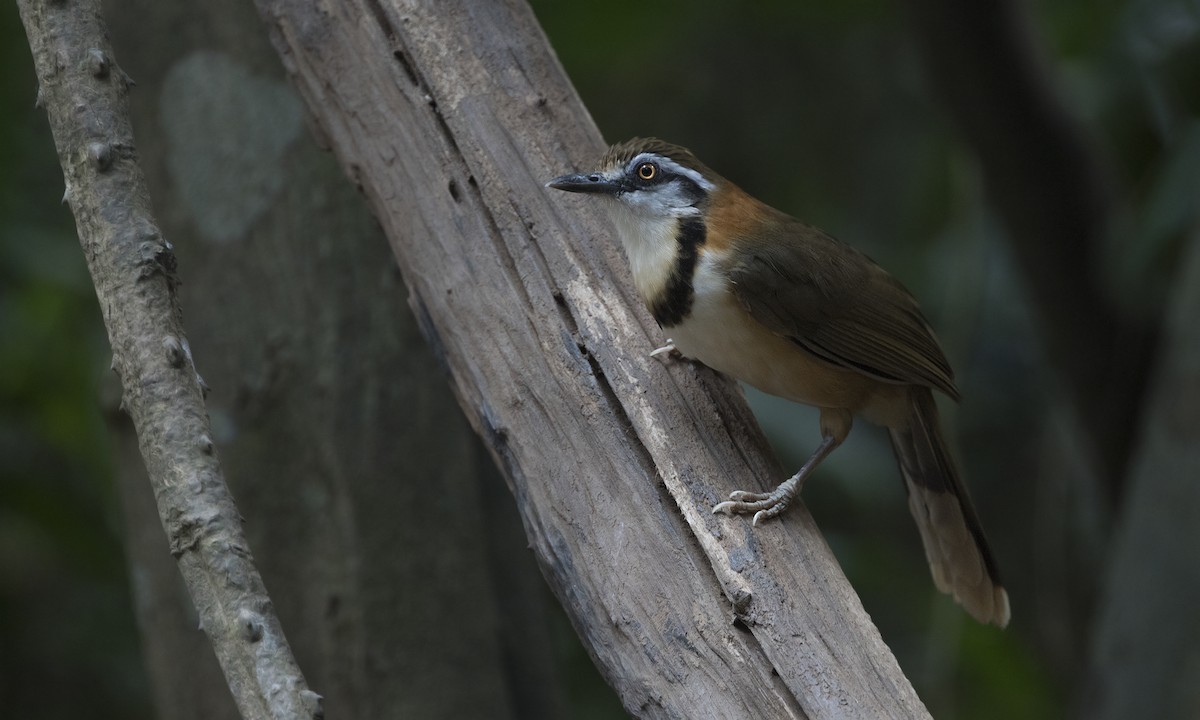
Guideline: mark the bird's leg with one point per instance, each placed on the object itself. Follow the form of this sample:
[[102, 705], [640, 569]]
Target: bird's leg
[[669, 350], [835, 425], [767, 505]]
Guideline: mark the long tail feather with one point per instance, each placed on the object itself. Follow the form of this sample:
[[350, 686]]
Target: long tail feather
[[958, 554]]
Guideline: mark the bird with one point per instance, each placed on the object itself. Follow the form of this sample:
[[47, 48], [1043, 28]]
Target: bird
[[779, 304]]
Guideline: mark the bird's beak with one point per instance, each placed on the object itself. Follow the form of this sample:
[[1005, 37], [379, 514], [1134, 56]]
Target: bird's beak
[[585, 183]]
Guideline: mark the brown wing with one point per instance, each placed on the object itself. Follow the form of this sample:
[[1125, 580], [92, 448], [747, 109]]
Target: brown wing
[[851, 313]]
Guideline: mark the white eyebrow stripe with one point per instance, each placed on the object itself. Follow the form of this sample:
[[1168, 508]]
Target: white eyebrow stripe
[[671, 166]]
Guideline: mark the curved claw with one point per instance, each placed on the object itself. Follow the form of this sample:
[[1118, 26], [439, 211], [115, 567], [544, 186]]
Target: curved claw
[[726, 507], [774, 511], [744, 502], [742, 496], [669, 350]]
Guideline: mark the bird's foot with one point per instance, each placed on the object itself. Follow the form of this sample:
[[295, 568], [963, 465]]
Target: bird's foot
[[764, 505], [669, 350], [768, 505]]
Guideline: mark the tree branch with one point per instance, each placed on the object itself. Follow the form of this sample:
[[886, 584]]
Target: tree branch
[[450, 116], [133, 269]]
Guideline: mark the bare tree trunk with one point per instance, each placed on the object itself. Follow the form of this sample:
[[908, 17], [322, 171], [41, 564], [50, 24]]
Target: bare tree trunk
[[450, 116], [367, 507], [1145, 659]]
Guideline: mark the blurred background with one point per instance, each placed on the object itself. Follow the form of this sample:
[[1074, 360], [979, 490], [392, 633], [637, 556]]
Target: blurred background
[[1031, 172]]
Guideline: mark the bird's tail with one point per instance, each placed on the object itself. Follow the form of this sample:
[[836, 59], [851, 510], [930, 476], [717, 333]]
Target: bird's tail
[[958, 554]]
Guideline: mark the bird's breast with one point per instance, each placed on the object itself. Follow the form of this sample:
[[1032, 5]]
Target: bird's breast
[[721, 334]]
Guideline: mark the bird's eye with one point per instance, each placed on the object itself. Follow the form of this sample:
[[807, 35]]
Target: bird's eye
[[647, 171]]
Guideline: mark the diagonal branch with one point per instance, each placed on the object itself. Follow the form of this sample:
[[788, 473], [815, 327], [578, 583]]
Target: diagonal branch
[[133, 269], [450, 116]]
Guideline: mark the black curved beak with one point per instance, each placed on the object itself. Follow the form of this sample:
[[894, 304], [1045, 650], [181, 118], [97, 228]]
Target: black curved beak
[[585, 183]]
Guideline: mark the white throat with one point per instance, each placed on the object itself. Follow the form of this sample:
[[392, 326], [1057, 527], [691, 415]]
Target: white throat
[[650, 245]]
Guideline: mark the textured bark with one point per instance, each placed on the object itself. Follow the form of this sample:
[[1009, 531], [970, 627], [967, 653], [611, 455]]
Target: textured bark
[[406, 591], [84, 92], [1145, 658], [450, 116]]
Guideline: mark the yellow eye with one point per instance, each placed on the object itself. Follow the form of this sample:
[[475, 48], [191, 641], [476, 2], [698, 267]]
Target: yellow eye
[[647, 171]]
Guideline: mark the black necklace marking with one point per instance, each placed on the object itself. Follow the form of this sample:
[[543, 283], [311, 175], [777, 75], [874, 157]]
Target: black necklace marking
[[674, 303]]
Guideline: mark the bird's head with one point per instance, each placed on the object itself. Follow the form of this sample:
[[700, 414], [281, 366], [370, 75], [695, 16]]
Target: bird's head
[[648, 178], [658, 196]]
